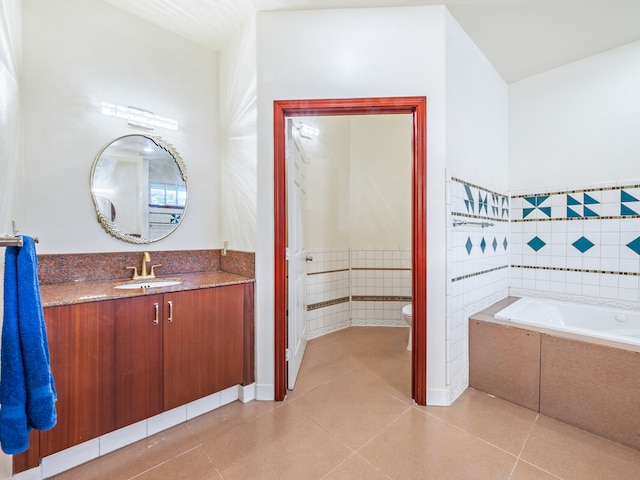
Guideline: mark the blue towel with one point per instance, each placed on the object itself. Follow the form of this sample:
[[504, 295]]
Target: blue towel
[[27, 391]]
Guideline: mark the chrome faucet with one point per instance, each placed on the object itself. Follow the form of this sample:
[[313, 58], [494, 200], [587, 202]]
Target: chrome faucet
[[143, 272]]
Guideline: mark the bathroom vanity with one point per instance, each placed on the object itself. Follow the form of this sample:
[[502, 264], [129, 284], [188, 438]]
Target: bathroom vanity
[[120, 356]]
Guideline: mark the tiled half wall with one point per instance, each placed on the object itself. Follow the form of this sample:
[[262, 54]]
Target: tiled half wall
[[357, 286], [581, 244], [478, 248]]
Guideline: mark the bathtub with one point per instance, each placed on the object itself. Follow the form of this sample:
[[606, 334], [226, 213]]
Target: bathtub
[[576, 363], [590, 320]]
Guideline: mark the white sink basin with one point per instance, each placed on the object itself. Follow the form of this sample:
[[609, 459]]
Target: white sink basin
[[149, 284]]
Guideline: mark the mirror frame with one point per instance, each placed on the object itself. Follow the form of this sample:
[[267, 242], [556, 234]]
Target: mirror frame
[[105, 220]]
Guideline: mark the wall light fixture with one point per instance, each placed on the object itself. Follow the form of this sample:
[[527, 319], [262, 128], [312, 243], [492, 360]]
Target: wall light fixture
[[138, 117]]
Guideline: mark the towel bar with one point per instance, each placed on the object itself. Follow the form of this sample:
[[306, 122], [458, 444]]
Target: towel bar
[[457, 223], [11, 241]]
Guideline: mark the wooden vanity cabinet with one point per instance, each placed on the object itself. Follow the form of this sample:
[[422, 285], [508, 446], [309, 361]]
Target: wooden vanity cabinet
[[76, 357], [203, 343], [132, 377], [117, 362], [106, 359]]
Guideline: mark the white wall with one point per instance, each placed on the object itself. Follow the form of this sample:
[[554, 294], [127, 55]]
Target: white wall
[[359, 182], [238, 132], [11, 178], [327, 221], [477, 113], [381, 181], [78, 54], [577, 124], [352, 53], [477, 135]]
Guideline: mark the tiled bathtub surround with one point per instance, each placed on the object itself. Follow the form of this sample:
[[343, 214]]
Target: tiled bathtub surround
[[96, 267], [477, 266], [356, 286], [580, 243]]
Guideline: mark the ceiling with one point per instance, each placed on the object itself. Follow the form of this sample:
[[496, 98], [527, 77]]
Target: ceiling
[[520, 38]]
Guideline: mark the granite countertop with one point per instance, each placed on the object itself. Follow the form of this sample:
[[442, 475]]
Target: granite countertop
[[82, 292]]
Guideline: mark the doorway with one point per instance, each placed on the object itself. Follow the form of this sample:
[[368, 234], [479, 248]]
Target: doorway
[[416, 106]]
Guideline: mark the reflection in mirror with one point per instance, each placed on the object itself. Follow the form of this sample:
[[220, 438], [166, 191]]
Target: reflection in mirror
[[139, 188]]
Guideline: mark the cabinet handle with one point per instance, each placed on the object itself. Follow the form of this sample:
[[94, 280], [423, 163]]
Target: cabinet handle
[[156, 321], [170, 319]]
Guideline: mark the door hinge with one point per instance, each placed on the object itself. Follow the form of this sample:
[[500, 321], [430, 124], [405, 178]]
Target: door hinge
[[287, 354], [287, 253]]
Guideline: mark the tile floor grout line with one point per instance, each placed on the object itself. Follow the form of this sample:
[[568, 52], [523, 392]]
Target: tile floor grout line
[[338, 466], [551, 474], [331, 434], [213, 464], [460, 429], [382, 430], [354, 454], [524, 444], [168, 460]]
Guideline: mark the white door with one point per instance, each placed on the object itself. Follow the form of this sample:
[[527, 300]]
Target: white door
[[297, 304]]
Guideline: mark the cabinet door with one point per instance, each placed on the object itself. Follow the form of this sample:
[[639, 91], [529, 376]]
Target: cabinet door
[[132, 364], [76, 353], [229, 337], [203, 343]]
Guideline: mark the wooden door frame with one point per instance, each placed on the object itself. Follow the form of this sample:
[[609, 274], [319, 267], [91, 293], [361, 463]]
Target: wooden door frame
[[417, 107]]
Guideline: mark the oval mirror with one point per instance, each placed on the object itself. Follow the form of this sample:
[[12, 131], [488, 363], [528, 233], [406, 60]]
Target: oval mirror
[[139, 188]]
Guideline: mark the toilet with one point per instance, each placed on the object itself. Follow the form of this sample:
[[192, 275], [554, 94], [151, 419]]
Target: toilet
[[407, 315]]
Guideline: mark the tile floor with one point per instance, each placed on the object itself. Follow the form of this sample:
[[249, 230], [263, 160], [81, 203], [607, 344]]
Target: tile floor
[[351, 417]]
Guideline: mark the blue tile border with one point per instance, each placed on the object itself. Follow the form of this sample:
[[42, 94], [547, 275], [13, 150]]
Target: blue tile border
[[494, 205], [581, 190], [581, 204]]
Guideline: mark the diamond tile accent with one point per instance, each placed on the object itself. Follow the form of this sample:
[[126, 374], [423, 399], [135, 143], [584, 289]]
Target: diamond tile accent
[[495, 244], [635, 245], [483, 244], [505, 244], [536, 243], [468, 245], [583, 244]]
